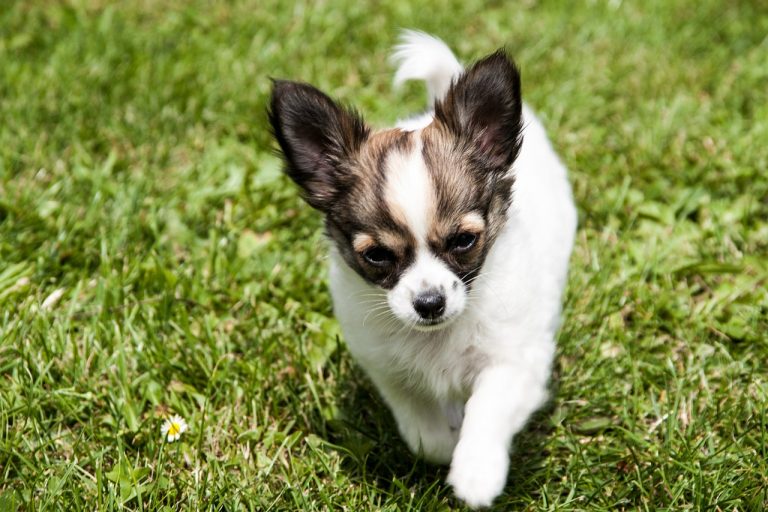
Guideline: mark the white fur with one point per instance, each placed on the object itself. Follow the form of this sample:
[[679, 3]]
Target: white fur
[[426, 273], [420, 56], [409, 192], [459, 394]]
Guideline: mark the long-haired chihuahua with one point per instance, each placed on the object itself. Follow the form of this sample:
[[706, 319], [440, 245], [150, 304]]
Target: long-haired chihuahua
[[450, 236]]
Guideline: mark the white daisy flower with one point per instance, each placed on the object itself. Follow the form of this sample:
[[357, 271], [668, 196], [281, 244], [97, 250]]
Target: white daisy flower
[[173, 427]]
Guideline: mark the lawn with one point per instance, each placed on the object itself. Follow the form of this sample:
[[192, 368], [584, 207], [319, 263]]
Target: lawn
[[154, 261]]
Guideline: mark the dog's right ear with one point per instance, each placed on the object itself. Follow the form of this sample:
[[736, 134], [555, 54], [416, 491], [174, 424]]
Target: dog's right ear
[[317, 137]]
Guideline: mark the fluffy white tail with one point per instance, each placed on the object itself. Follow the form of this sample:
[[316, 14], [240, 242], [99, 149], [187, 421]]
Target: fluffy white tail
[[420, 56]]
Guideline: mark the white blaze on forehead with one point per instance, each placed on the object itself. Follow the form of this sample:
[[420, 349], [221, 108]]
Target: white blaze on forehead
[[408, 190]]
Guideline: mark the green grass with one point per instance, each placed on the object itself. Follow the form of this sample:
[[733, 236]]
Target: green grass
[[137, 176]]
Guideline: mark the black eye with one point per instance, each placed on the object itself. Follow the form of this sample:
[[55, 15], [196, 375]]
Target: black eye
[[462, 242], [379, 256]]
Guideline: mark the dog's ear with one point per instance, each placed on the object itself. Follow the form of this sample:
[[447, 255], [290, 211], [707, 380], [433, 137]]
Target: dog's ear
[[317, 137], [484, 106]]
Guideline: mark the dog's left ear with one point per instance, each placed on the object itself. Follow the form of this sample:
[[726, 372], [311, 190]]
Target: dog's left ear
[[484, 106]]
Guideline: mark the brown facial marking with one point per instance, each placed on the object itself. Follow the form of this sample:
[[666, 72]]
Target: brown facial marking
[[469, 198], [362, 219], [394, 241], [472, 222], [362, 241]]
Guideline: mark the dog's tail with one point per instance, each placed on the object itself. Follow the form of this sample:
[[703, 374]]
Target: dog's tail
[[420, 56]]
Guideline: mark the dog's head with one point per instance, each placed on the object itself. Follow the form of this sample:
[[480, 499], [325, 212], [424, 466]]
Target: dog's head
[[413, 213]]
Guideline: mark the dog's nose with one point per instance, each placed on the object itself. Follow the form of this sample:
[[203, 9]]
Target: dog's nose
[[430, 304]]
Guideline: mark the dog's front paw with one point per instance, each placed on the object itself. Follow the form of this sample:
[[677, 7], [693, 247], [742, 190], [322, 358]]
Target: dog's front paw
[[478, 472]]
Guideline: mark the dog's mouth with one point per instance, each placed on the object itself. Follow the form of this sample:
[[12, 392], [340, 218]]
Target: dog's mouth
[[433, 324]]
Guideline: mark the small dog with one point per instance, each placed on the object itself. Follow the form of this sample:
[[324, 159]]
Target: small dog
[[450, 239]]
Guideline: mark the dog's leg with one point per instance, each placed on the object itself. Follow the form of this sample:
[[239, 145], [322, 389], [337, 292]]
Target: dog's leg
[[424, 425], [502, 400]]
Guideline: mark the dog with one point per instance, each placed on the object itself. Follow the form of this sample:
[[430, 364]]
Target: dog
[[450, 236]]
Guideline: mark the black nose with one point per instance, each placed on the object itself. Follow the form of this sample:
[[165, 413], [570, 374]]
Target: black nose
[[430, 304]]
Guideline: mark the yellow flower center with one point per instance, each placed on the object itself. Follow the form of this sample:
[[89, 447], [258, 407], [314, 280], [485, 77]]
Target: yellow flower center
[[174, 429]]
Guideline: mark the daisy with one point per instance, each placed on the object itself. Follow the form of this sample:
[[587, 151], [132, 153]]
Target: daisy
[[173, 427]]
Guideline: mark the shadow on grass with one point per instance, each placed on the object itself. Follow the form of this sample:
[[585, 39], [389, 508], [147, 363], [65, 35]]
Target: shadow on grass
[[374, 454]]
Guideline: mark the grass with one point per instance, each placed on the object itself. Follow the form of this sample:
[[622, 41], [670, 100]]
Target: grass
[[153, 260]]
